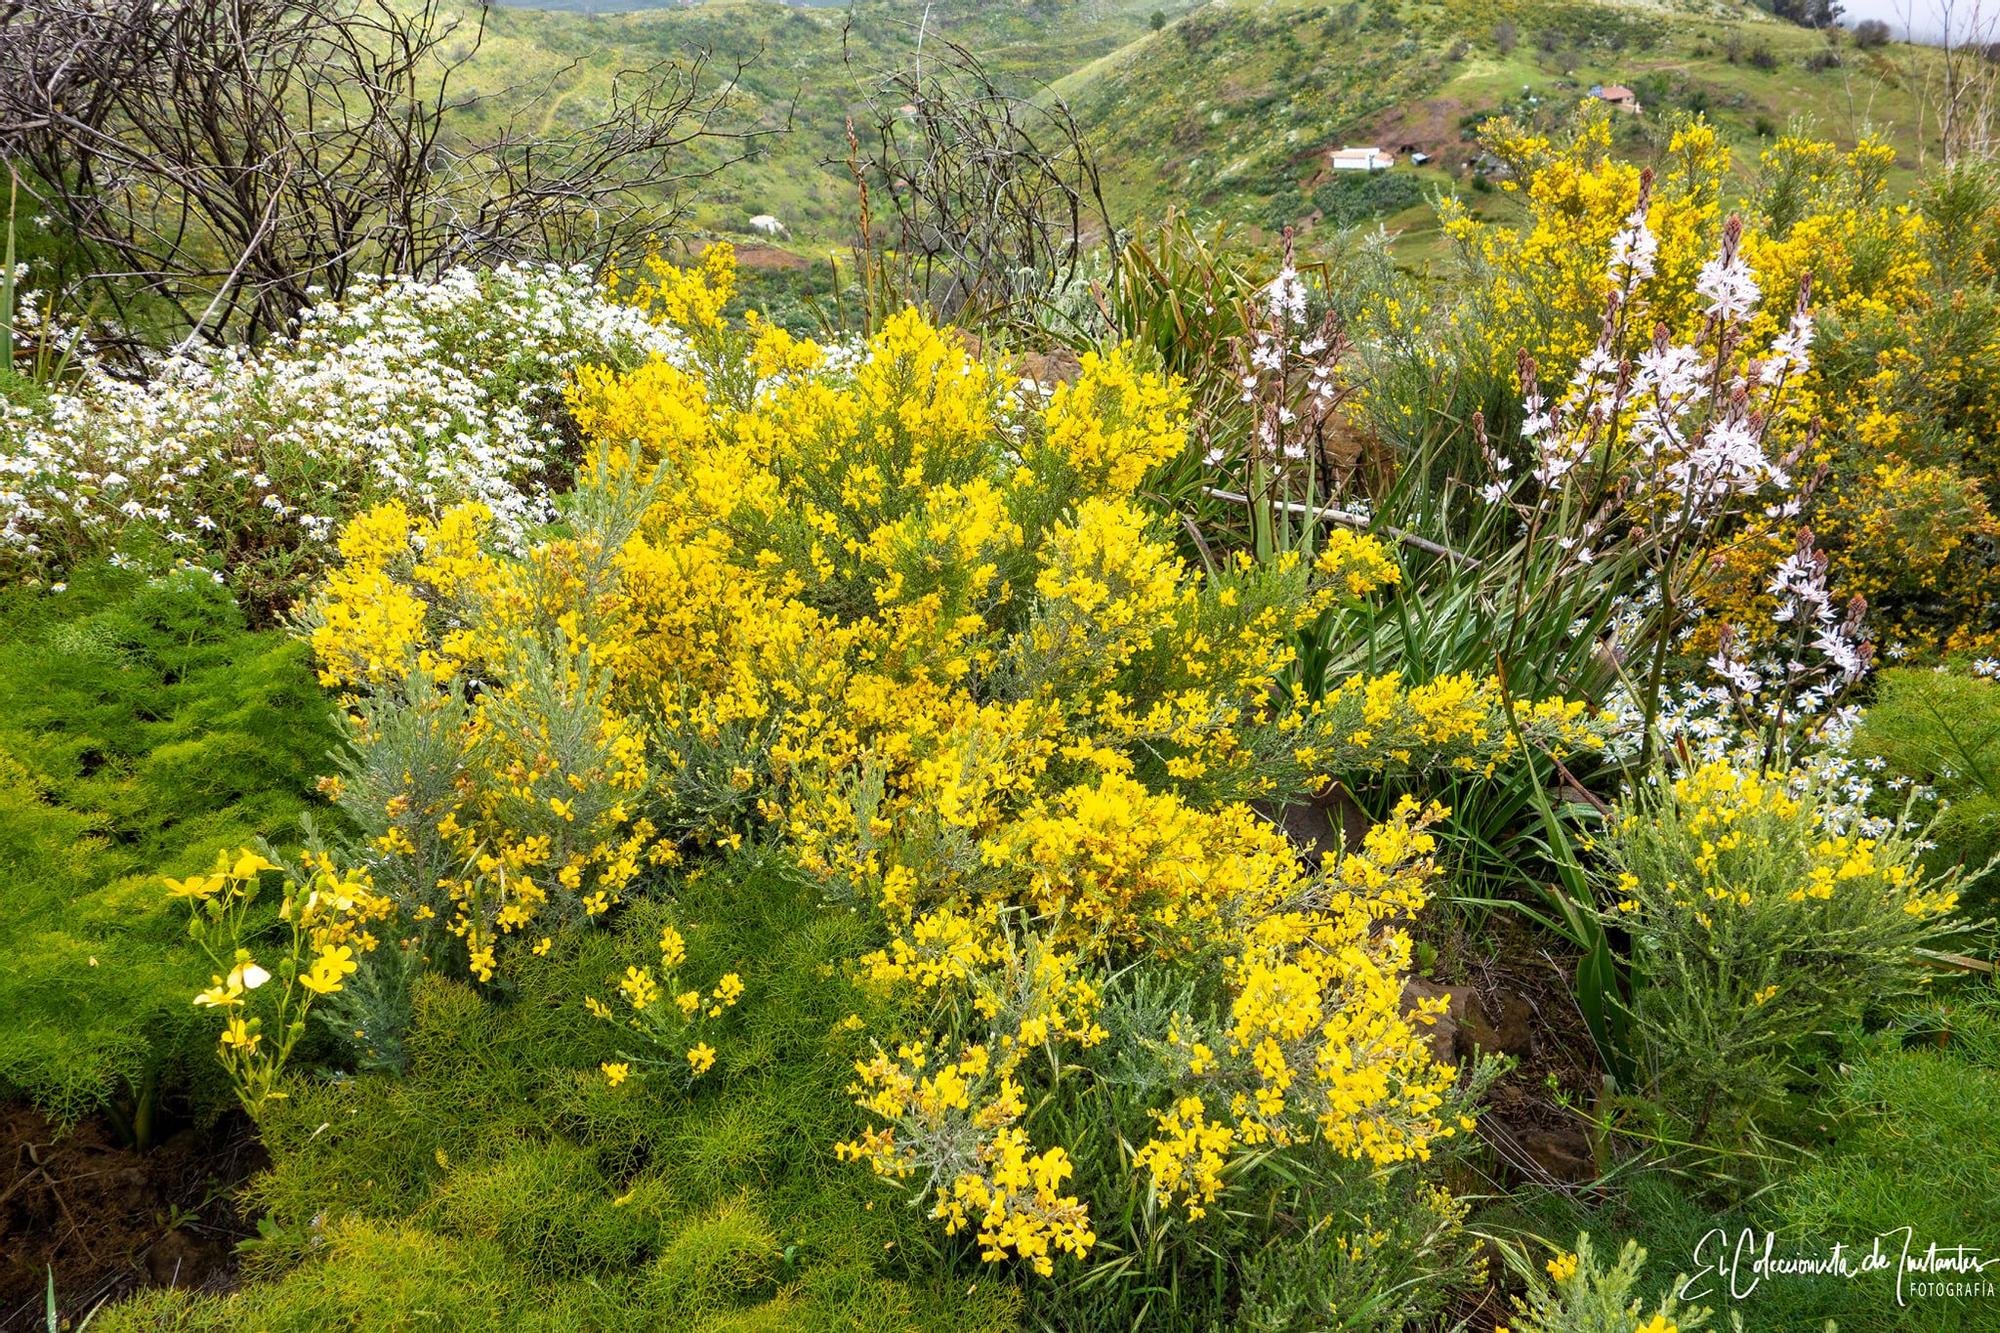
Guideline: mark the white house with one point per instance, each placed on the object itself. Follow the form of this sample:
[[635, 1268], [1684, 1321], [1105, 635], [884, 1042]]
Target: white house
[[1617, 95], [1361, 159]]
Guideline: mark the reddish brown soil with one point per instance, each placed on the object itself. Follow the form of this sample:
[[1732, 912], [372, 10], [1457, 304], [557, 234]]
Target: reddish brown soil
[[1534, 1125], [109, 1219], [751, 255], [1432, 125]]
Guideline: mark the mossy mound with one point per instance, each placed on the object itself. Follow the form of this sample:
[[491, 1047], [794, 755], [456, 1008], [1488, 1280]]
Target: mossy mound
[[142, 727], [500, 1181]]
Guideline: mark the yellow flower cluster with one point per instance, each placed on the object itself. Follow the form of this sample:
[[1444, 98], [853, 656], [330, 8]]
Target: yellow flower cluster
[[1903, 396], [691, 296], [1113, 424], [1727, 821], [932, 645], [327, 914], [666, 1013], [1460, 722], [1187, 1155], [955, 1118], [1544, 286], [1355, 565], [1112, 861], [1316, 1044]]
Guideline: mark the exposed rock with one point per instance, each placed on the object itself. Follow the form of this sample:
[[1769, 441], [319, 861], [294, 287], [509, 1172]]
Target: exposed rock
[[1503, 1023], [1319, 827], [1058, 365], [1560, 1152], [1470, 1025], [1444, 1030]]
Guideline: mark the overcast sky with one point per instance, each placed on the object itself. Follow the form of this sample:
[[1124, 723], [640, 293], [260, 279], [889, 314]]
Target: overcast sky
[[1924, 20]]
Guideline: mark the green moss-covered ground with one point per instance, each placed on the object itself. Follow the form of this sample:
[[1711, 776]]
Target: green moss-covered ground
[[1907, 1142], [142, 728], [501, 1182]]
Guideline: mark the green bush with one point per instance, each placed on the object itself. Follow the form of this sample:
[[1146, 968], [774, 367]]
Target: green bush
[[1580, 1296], [1762, 936], [1906, 1140], [1942, 730], [142, 728], [1914, 1148], [1356, 198]]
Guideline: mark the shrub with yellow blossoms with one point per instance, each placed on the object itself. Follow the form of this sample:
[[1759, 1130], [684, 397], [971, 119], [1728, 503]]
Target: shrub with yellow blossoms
[[671, 1018], [925, 639], [1901, 400], [1757, 918], [1578, 1292]]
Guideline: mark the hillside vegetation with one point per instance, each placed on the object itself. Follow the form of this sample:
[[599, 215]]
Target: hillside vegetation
[[1192, 766], [1232, 107], [809, 68], [1229, 107]]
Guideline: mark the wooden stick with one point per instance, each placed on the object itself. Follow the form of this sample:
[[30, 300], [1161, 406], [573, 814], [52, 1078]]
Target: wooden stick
[[1347, 520]]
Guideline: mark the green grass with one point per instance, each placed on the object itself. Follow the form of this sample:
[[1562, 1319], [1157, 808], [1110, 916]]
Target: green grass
[[142, 727], [501, 1182], [1942, 730], [1908, 1142]]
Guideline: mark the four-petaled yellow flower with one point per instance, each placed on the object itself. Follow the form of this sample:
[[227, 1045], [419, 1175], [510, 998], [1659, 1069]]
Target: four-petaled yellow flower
[[615, 1072], [328, 970], [701, 1058]]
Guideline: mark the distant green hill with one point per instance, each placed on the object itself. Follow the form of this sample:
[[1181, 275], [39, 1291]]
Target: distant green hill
[[1228, 107], [809, 67], [1233, 107]]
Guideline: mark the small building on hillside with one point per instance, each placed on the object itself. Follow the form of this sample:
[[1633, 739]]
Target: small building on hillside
[[1360, 159], [1617, 95]]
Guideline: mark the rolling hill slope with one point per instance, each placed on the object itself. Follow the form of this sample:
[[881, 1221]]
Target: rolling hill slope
[[1227, 107], [1232, 107]]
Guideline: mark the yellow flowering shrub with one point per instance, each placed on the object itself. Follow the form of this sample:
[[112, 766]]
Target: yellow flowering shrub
[[1758, 917], [669, 1016], [922, 639], [1912, 537], [1895, 412], [1543, 286]]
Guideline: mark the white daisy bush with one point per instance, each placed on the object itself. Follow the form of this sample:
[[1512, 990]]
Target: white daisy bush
[[245, 462]]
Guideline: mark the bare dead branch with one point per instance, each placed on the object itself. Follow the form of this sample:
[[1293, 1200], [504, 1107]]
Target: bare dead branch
[[231, 159], [988, 198]]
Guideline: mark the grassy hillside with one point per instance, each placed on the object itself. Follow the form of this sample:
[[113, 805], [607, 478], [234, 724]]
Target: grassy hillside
[[1227, 107], [796, 72], [1231, 107]]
